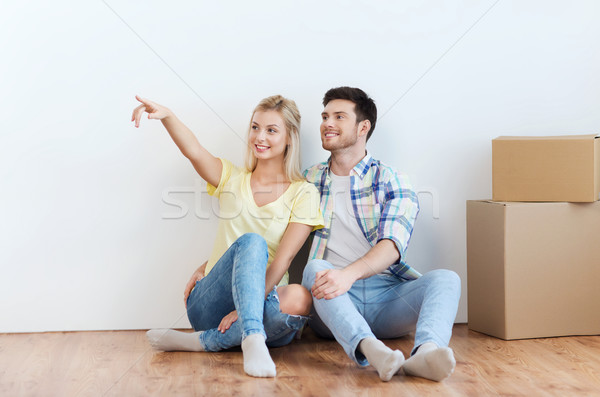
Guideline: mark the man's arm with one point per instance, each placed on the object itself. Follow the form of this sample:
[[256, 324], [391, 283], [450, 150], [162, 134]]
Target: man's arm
[[331, 283]]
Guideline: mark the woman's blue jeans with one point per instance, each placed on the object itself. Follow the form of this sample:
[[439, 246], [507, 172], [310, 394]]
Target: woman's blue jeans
[[237, 282], [384, 306]]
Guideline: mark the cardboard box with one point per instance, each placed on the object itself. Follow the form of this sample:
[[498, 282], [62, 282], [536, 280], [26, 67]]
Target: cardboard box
[[560, 168], [533, 269]]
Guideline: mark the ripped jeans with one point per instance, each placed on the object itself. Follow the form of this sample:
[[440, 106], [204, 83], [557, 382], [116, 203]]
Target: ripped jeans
[[237, 282]]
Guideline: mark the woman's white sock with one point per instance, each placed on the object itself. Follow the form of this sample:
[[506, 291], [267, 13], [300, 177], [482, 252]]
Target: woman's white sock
[[257, 360], [170, 340]]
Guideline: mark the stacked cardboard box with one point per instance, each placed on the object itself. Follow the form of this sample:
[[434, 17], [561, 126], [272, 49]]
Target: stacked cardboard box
[[533, 256], [563, 168]]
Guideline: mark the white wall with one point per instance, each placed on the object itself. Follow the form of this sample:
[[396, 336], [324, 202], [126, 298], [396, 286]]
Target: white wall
[[84, 243]]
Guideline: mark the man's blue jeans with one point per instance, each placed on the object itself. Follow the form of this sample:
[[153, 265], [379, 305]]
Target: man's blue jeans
[[384, 306], [237, 282]]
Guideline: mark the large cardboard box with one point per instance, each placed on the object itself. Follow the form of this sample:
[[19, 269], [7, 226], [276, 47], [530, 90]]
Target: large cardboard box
[[533, 268], [560, 168]]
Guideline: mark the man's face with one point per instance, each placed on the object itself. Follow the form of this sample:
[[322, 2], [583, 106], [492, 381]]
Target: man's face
[[339, 129]]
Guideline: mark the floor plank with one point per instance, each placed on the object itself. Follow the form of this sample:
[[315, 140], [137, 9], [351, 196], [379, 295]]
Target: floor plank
[[118, 363]]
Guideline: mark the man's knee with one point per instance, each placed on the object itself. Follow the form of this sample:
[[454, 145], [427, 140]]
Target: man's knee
[[294, 299], [448, 278], [311, 269]]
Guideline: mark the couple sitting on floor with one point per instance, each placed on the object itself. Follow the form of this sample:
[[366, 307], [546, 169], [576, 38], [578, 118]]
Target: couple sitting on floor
[[356, 286]]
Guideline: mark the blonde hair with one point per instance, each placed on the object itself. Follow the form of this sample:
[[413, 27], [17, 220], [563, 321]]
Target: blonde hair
[[290, 114]]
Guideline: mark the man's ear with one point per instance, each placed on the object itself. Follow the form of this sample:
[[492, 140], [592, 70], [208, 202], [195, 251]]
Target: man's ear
[[364, 127]]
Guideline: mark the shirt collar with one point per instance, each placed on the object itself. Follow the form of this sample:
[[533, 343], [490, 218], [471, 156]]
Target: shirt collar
[[359, 169], [363, 165]]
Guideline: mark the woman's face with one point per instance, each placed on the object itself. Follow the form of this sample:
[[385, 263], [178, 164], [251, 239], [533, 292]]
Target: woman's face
[[268, 135]]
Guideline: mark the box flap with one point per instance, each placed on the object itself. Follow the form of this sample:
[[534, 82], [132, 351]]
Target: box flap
[[502, 203], [489, 201], [558, 137], [485, 267], [597, 168]]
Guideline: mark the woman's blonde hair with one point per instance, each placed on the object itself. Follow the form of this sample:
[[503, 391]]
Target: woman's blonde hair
[[288, 111]]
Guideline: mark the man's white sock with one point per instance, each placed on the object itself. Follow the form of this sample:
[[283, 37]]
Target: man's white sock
[[257, 360], [431, 362], [170, 340], [386, 361]]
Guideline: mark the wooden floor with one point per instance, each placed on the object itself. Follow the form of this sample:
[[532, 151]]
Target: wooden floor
[[121, 363]]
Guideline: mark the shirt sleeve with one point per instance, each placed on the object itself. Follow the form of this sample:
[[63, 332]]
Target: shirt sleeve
[[228, 169], [399, 212], [306, 208]]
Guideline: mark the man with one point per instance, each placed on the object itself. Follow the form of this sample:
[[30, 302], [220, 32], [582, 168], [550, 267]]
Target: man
[[362, 288]]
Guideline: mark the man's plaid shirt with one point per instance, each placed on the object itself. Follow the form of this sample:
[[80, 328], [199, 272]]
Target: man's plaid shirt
[[384, 205]]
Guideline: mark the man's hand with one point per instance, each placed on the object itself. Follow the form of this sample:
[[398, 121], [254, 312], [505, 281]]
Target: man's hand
[[197, 276], [227, 321], [331, 283]]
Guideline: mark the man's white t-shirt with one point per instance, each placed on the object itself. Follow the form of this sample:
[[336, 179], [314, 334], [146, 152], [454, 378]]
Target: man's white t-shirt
[[346, 242]]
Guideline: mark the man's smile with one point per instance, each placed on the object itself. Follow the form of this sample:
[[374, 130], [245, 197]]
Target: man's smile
[[331, 134]]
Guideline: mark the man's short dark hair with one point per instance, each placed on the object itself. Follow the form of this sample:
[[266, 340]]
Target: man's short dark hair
[[364, 107]]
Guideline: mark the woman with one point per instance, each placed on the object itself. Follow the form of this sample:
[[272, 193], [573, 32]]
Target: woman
[[267, 211]]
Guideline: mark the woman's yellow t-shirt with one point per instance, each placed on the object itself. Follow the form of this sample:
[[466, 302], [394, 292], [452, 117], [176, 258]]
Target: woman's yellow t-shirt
[[239, 213]]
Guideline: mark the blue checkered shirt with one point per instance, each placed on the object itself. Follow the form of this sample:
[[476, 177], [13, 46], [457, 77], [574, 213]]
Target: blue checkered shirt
[[384, 205]]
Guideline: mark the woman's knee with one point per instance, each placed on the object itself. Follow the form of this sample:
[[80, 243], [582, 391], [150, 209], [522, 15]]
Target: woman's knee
[[252, 239], [294, 299], [252, 248]]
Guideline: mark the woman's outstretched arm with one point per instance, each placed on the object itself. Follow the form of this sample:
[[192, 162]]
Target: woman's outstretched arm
[[208, 166]]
